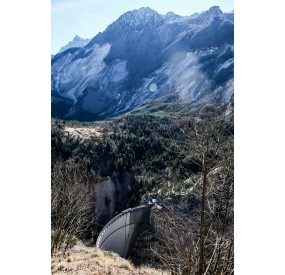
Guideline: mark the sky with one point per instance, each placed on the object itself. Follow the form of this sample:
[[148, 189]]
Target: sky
[[86, 18]]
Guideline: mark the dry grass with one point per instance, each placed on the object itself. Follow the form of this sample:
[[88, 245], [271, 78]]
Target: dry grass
[[81, 260], [84, 132]]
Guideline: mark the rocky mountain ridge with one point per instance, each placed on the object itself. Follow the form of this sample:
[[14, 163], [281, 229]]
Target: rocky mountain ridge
[[144, 56], [77, 42]]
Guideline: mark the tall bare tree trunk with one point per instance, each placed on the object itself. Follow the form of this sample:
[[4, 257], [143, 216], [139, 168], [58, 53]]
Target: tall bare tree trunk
[[202, 219]]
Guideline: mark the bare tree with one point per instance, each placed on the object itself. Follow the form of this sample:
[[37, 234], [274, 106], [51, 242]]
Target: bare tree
[[205, 235], [177, 246], [72, 203]]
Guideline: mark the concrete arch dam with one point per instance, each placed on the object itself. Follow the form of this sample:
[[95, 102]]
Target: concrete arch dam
[[119, 234]]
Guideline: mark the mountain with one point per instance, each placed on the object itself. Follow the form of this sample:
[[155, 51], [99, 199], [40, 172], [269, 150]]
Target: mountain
[[77, 42], [145, 56]]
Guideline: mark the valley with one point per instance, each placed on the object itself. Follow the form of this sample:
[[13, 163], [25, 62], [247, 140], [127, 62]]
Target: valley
[[145, 110]]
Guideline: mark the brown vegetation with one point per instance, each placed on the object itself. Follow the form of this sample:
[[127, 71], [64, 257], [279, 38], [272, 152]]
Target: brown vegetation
[[86, 261], [72, 204], [199, 239], [188, 157]]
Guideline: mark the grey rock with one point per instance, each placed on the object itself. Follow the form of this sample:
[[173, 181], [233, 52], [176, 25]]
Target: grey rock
[[191, 57]]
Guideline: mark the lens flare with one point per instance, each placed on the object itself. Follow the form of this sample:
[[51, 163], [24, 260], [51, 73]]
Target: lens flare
[[153, 87]]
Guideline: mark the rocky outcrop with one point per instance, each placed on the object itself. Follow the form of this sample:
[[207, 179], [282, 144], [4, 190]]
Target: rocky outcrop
[[144, 56]]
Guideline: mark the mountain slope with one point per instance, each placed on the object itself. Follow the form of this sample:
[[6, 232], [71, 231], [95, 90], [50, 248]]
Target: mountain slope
[[191, 57]]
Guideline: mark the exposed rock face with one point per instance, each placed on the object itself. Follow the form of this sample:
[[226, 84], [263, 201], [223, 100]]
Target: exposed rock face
[[190, 56], [112, 195]]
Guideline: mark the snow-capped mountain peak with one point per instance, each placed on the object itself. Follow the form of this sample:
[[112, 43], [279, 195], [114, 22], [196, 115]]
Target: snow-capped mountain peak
[[77, 42], [215, 10], [113, 73], [77, 38], [172, 17], [140, 16]]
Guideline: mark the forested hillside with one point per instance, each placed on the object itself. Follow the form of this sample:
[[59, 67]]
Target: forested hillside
[[182, 158]]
